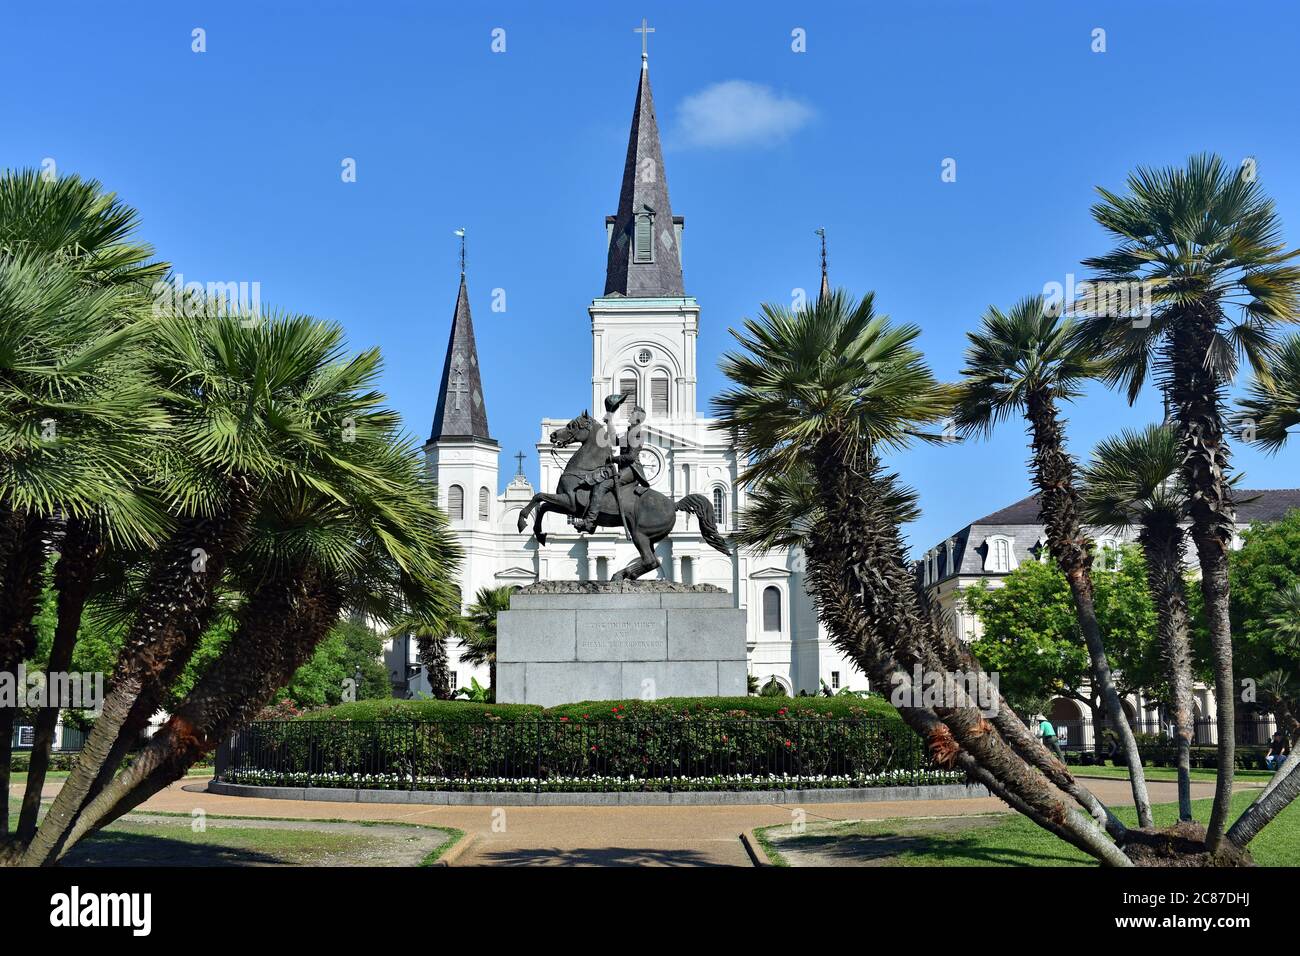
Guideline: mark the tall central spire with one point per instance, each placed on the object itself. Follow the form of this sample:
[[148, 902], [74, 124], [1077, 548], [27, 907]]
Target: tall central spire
[[644, 236]]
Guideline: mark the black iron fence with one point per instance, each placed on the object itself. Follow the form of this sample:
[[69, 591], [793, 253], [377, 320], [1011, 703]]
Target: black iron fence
[[551, 754], [70, 740], [1083, 735]]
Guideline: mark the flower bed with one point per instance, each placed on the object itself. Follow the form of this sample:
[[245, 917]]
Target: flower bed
[[595, 783]]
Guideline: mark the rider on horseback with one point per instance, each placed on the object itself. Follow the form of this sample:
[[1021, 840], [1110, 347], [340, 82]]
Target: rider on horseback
[[628, 462]]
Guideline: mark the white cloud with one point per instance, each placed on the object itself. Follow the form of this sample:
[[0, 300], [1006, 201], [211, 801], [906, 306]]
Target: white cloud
[[740, 113]]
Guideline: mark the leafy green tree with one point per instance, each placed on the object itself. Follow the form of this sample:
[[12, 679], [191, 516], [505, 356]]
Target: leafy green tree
[[1265, 577], [1022, 363], [1031, 633], [349, 647], [1205, 242]]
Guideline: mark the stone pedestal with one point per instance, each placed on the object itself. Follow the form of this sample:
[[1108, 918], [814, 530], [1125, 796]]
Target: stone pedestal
[[563, 642]]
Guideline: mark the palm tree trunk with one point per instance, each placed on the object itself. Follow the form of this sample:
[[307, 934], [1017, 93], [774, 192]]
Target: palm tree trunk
[[1195, 390], [24, 545], [1058, 498], [7, 715], [179, 598], [867, 598], [1284, 788], [957, 656], [1162, 545], [80, 552], [281, 624]]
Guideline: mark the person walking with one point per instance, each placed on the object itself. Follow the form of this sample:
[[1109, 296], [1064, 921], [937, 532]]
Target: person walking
[[1048, 732]]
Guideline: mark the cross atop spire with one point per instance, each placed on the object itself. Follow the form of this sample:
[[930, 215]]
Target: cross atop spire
[[461, 232], [644, 235], [645, 30], [520, 458]]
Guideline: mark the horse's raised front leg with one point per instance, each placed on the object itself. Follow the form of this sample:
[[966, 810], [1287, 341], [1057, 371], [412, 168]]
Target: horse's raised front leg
[[528, 509], [538, 533]]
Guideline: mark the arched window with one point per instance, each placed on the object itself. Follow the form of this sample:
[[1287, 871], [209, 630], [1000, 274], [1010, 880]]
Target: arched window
[[456, 502], [686, 479], [1108, 556], [627, 384], [1001, 554], [602, 569], [771, 608], [659, 394], [720, 507], [484, 504], [688, 571]]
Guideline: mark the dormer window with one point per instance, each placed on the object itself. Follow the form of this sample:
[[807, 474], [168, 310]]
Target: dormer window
[[643, 237], [999, 554]]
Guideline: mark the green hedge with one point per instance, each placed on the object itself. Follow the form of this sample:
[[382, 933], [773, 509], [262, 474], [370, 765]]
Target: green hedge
[[444, 710], [749, 737], [1247, 757]]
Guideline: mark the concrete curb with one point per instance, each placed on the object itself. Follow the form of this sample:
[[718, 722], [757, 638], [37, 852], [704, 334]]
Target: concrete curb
[[452, 856], [684, 798]]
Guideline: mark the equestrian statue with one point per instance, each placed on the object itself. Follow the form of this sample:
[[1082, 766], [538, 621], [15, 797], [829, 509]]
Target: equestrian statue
[[604, 486]]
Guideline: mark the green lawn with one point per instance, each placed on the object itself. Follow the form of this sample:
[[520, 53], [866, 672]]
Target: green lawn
[[994, 840], [168, 839], [20, 777], [1167, 773]]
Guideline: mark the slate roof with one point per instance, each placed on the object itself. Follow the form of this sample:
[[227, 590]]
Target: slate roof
[[645, 188], [1020, 523], [1268, 504], [461, 411]]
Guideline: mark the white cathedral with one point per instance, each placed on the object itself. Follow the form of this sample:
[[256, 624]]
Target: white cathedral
[[643, 342]]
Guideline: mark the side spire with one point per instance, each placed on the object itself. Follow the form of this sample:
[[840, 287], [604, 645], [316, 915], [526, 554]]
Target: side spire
[[644, 236], [461, 411], [826, 285]]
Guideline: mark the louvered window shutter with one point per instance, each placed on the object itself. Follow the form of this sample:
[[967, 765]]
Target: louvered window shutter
[[644, 240], [659, 395]]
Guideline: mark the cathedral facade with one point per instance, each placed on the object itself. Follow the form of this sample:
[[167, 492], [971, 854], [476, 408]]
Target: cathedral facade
[[644, 329]]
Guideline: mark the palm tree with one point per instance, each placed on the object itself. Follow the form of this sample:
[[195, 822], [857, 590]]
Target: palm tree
[[255, 403], [476, 630], [1133, 481], [1272, 403], [74, 280], [818, 395], [1284, 615], [376, 545], [1021, 362], [1205, 243], [73, 412]]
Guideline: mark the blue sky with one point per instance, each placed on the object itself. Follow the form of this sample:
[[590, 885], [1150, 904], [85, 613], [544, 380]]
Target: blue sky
[[233, 157]]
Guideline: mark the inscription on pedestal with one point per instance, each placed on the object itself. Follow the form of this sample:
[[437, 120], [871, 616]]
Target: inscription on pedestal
[[636, 634]]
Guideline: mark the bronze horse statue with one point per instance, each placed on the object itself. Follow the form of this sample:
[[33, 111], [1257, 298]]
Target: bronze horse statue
[[648, 516]]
